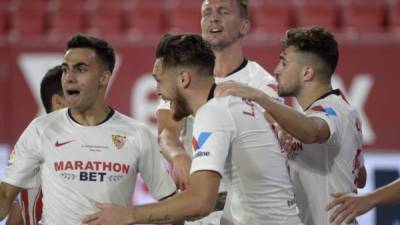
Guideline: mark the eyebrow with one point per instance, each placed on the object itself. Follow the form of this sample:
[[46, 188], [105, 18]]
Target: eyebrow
[[76, 65]]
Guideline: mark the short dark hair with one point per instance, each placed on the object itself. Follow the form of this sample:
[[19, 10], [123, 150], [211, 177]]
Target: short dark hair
[[103, 50], [49, 86], [186, 50], [317, 41]]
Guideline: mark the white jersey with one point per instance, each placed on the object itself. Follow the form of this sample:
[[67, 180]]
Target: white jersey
[[317, 170], [250, 73], [232, 138], [82, 165]]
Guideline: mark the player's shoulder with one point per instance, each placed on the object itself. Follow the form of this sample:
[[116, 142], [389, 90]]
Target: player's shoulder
[[49, 119], [219, 111], [126, 122], [259, 72], [334, 104]]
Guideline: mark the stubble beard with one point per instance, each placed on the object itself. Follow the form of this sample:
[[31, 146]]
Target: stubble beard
[[224, 43], [180, 107]]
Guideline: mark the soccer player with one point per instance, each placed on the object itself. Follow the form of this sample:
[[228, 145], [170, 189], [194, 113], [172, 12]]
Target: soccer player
[[351, 205], [328, 154], [53, 99], [231, 139], [89, 152], [224, 23]]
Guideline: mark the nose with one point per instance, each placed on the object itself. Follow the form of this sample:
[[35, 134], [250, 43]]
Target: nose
[[215, 18], [276, 72], [69, 76], [158, 90]]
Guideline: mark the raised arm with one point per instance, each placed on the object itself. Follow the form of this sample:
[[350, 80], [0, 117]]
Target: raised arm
[[306, 129], [172, 148], [195, 202]]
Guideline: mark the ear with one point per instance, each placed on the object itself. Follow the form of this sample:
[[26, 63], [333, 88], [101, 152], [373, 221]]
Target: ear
[[184, 79], [245, 27], [105, 78], [308, 73], [58, 102]]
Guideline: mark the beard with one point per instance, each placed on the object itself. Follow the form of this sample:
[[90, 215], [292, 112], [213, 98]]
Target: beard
[[289, 91], [180, 107]]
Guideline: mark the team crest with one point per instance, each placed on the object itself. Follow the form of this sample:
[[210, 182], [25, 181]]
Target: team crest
[[119, 140]]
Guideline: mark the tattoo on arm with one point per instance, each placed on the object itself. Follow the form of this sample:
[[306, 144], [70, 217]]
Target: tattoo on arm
[[165, 219]]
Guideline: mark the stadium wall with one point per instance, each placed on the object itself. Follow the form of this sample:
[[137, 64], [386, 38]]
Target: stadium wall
[[367, 73]]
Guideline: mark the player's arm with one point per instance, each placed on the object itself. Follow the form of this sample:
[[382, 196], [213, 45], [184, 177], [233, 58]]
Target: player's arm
[[8, 193], [172, 148], [350, 205], [195, 202], [15, 215], [306, 129]]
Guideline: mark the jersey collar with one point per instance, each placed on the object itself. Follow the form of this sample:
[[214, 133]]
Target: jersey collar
[[211, 93], [241, 66], [331, 92], [110, 114]]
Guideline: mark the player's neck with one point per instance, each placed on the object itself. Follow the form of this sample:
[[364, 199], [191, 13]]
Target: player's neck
[[228, 59], [91, 116], [199, 96], [308, 95]]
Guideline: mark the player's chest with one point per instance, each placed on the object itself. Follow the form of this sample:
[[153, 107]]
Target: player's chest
[[89, 156], [90, 145]]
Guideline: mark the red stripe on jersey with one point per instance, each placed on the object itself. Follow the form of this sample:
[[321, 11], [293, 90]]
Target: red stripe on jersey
[[25, 206], [273, 87], [37, 207]]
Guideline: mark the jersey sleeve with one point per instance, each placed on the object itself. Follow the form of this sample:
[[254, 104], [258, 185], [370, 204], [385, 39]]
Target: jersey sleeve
[[151, 168], [25, 159], [213, 131], [330, 115]]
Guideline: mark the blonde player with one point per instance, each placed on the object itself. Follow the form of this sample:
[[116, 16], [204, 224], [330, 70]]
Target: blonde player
[[224, 23]]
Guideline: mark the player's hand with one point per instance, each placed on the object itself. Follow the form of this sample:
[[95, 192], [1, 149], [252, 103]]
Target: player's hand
[[349, 206], [181, 170], [237, 89], [285, 139], [110, 214]]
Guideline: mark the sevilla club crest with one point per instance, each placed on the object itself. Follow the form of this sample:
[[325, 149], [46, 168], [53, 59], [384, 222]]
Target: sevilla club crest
[[119, 141]]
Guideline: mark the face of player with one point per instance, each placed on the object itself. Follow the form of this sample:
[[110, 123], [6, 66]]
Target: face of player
[[83, 78], [288, 73], [221, 24], [168, 88]]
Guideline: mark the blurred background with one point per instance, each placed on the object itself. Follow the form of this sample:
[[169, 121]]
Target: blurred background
[[33, 34]]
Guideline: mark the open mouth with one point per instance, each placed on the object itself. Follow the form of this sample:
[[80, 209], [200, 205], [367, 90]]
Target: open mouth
[[73, 92], [215, 30]]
